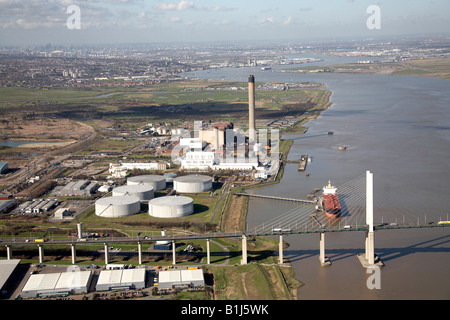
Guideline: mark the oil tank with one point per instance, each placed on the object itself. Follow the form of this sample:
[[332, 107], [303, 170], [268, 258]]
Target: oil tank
[[116, 207], [171, 207], [143, 192], [153, 180], [193, 183]]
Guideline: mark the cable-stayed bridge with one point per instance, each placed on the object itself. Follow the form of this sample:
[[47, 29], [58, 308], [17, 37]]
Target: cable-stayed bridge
[[366, 205], [394, 206]]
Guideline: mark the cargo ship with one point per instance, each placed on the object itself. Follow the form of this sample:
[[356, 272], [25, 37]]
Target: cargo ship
[[330, 201]]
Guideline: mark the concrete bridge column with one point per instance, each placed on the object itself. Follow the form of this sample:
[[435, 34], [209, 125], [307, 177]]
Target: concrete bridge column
[[8, 252], [208, 253], [173, 253], [280, 250], [106, 254], [41, 253], [140, 252], [324, 261], [244, 249], [74, 253]]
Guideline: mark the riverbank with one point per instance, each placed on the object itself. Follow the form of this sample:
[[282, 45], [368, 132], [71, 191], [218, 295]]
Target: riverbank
[[437, 68]]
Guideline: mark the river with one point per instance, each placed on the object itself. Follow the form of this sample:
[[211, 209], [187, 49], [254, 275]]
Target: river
[[398, 127]]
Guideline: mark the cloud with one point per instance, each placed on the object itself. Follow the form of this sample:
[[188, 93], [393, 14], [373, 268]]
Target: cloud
[[222, 22], [181, 6], [175, 20], [288, 21], [267, 20]]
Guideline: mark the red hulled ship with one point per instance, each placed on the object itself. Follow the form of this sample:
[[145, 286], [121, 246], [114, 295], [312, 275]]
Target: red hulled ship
[[330, 202]]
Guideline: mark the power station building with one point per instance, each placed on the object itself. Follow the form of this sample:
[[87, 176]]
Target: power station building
[[171, 207]]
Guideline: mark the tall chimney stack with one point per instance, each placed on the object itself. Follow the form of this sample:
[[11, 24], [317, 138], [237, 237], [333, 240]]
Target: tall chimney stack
[[251, 109]]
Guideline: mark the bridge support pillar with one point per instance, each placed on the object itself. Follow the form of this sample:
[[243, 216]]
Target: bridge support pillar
[[208, 253], [280, 250], [324, 260], [140, 252], [244, 249], [106, 254], [41, 253], [173, 253], [369, 258], [74, 253], [8, 252]]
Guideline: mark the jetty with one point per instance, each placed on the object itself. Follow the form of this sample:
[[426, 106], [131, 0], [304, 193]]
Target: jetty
[[301, 162], [261, 196]]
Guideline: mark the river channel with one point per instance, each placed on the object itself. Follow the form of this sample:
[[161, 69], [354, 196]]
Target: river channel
[[398, 127]]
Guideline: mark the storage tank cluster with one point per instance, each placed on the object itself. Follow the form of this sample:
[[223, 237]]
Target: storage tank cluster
[[126, 200], [192, 183], [171, 207]]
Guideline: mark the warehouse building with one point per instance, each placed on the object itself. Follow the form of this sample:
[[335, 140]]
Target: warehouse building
[[7, 268], [187, 278], [79, 188], [123, 279], [57, 284]]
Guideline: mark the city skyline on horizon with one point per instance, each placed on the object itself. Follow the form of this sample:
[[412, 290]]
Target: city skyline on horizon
[[34, 22]]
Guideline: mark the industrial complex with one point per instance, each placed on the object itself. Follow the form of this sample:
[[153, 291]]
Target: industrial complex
[[131, 188]]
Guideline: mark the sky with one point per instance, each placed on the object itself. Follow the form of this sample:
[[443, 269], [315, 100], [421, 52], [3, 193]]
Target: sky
[[38, 22]]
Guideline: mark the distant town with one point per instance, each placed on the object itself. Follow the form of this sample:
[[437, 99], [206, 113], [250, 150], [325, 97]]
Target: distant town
[[90, 67]]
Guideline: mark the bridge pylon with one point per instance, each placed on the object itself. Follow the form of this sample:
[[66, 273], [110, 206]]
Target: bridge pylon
[[369, 258]]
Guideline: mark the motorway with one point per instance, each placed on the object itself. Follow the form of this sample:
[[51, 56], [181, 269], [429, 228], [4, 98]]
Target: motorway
[[216, 235]]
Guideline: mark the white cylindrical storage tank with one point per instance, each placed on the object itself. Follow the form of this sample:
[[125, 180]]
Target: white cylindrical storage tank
[[116, 207], [171, 207], [153, 180], [143, 192], [192, 184]]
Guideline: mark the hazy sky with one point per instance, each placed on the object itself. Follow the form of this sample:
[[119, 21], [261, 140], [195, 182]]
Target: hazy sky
[[34, 22]]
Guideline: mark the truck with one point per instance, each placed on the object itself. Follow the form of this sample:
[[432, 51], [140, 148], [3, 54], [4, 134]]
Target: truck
[[40, 240]]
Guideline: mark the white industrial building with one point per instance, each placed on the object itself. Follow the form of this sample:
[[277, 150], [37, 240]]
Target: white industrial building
[[126, 166], [192, 183], [123, 279], [57, 284], [186, 278], [198, 160], [171, 207]]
